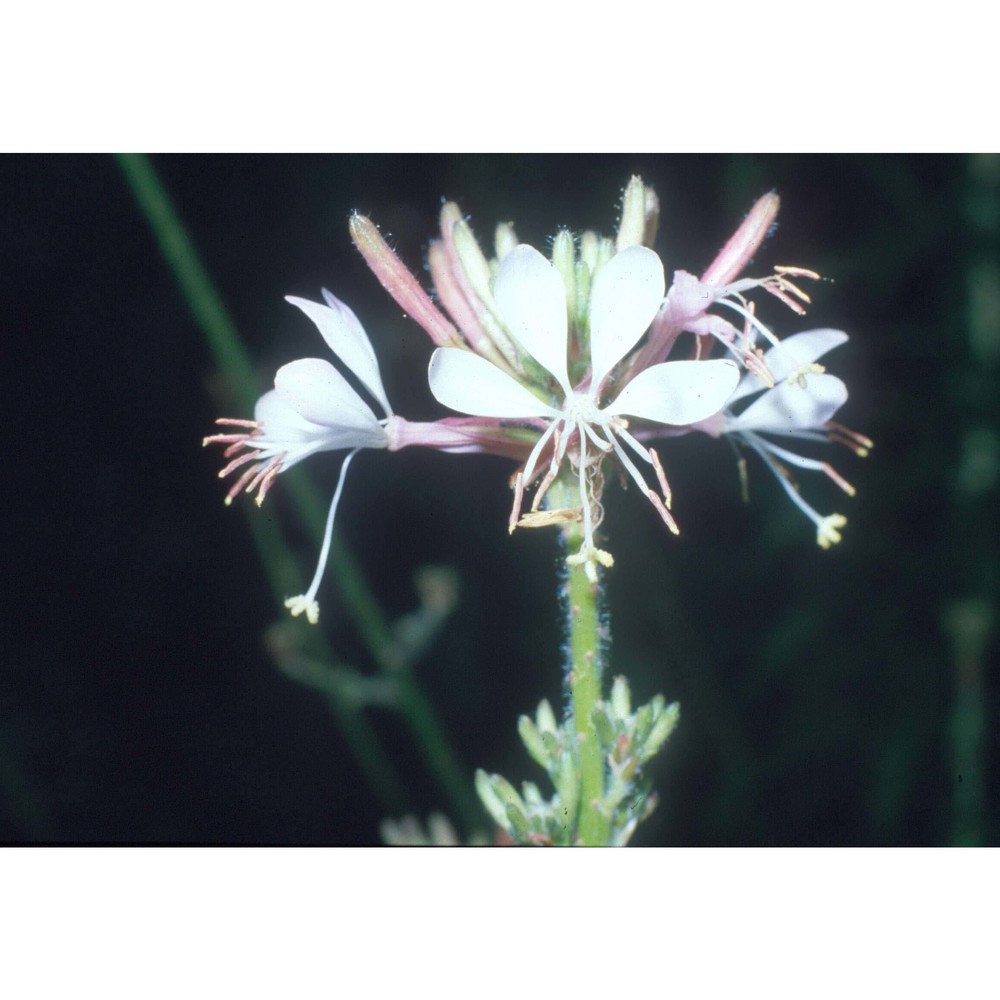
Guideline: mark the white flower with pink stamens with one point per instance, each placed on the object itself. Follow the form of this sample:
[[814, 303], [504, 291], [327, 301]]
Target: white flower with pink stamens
[[531, 300], [312, 408], [800, 406]]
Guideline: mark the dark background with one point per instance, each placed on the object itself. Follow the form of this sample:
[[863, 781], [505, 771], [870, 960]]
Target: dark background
[[824, 697]]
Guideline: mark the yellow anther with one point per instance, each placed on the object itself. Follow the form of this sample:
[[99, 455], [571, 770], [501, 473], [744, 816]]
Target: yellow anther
[[798, 376], [544, 518]]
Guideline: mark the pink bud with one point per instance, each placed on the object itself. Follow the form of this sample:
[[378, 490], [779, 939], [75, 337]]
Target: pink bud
[[397, 280], [744, 243]]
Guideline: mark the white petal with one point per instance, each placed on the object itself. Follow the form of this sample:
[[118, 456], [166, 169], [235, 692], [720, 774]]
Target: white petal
[[627, 292], [465, 382], [319, 393], [283, 424], [790, 407], [678, 392], [285, 429], [793, 352], [531, 298], [346, 337]]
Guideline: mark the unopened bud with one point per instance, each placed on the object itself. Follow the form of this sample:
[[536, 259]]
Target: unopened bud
[[643, 723], [632, 229], [519, 821], [504, 240], [582, 293], [665, 724], [532, 740], [474, 262], [744, 243], [652, 216], [605, 251], [545, 718], [491, 800], [532, 795], [603, 725], [397, 280], [621, 698], [588, 249], [564, 260]]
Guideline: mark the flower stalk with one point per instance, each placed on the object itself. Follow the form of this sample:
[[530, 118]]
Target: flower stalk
[[586, 646]]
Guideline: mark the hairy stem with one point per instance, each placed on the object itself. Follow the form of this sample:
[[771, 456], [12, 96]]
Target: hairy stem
[[586, 641]]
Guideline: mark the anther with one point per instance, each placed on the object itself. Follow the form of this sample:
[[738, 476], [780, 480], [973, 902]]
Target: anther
[[668, 519], [661, 477]]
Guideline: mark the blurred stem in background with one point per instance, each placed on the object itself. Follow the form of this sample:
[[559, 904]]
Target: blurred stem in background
[[347, 692], [970, 619]]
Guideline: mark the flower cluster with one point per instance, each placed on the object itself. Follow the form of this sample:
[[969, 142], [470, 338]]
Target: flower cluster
[[560, 363]]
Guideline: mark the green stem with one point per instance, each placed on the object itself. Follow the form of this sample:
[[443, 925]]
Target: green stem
[[232, 357], [587, 642], [227, 348]]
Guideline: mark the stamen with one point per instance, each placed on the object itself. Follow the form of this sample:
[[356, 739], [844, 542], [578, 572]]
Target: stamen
[[239, 484], [235, 422], [648, 455], [243, 442], [809, 463], [746, 313], [515, 511], [781, 475], [546, 518], [668, 518], [307, 602], [588, 531], [604, 446], [662, 477], [225, 439], [741, 465], [797, 272], [266, 483], [779, 293], [249, 456], [526, 474], [271, 469], [858, 443], [798, 376], [549, 476], [637, 476]]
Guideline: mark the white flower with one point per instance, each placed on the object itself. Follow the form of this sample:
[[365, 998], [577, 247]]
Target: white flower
[[312, 408], [531, 300], [800, 406]]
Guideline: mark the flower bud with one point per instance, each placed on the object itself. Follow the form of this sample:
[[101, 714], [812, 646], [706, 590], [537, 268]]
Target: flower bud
[[632, 228], [532, 740], [400, 283], [564, 260], [621, 698], [492, 801], [473, 260], [744, 243], [588, 249], [505, 240], [665, 723], [545, 718], [603, 725]]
